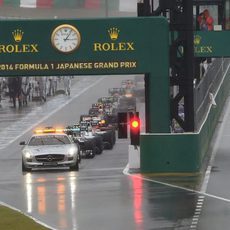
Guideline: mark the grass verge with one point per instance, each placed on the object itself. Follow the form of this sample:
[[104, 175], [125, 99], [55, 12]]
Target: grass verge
[[13, 220]]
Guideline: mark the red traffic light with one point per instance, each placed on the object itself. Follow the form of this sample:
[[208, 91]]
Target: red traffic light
[[135, 123], [135, 130]]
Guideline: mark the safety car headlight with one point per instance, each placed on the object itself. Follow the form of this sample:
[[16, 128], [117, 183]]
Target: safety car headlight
[[72, 151], [27, 154]]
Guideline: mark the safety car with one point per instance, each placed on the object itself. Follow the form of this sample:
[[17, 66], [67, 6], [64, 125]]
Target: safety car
[[49, 148]]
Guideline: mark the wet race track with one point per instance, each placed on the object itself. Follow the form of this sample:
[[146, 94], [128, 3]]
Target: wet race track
[[103, 194]]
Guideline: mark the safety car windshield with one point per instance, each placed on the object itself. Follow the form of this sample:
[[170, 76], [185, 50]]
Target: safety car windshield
[[49, 140]]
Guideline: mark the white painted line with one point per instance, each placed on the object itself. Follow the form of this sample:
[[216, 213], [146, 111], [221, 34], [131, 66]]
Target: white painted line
[[126, 172], [217, 197]]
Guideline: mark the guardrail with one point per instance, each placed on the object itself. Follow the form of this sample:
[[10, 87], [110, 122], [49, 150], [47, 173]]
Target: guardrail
[[210, 83]]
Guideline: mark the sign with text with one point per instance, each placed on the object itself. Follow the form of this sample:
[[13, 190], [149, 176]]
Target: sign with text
[[70, 47], [212, 43]]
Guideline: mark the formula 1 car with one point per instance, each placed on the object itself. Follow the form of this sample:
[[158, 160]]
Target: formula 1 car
[[108, 135], [107, 100], [128, 84], [106, 110], [126, 104], [94, 137], [90, 144], [87, 146], [116, 92], [101, 127]]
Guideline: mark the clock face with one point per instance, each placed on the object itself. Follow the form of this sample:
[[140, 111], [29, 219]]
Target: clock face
[[66, 38]]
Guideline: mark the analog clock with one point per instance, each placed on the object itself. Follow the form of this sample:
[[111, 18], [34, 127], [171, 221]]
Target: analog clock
[[66, 38]]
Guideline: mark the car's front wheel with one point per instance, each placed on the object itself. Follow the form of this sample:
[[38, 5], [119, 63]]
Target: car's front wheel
[[79, 158], [24, 168], [75, 167]]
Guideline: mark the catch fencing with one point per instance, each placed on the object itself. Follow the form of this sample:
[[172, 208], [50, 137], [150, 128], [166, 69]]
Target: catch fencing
[[207, 88]]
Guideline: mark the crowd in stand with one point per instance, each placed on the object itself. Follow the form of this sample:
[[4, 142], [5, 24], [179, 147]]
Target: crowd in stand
[[205, 21]]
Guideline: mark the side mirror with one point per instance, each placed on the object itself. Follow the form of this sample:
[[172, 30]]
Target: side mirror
[[22, 143]]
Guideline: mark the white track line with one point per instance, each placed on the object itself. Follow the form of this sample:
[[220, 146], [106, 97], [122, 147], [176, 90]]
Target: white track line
[[126, 172]]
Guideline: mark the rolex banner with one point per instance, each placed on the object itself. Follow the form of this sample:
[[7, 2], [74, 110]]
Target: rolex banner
[[52, 3]]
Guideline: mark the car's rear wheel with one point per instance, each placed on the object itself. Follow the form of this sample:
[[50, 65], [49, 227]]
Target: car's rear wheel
[[99, 149], [108, 145], [91, 155]]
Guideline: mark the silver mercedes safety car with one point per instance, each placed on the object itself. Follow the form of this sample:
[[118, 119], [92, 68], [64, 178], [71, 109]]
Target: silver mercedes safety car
[[48, 148]]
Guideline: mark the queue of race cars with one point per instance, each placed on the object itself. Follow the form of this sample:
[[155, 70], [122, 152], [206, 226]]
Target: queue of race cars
[[95, 132]]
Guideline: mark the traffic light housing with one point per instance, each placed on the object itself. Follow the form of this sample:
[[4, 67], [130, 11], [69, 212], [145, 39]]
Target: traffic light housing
[[135, 129], [122, 125]]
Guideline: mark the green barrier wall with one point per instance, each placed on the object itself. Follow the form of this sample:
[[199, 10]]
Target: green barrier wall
[[182, 153]]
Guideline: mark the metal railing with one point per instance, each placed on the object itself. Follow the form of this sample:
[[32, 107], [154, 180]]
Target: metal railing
[[207, 87]]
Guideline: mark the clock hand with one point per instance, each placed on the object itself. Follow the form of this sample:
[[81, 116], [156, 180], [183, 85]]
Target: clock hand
[[68, 35], [70, 39]]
